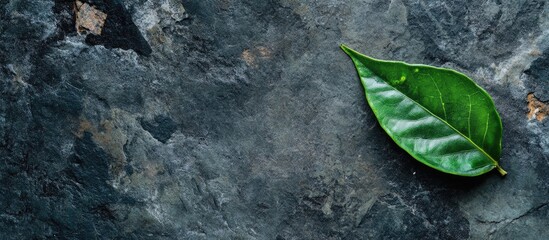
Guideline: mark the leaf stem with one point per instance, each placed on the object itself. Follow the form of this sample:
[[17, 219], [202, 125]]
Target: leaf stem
[[501, 171]]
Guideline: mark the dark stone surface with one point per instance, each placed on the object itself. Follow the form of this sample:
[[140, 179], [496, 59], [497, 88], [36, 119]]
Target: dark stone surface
[[538, 81], [161, 127], [119, 30], [216, 119]]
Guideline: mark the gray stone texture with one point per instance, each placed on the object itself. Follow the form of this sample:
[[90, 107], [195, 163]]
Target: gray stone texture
[[217, 119]]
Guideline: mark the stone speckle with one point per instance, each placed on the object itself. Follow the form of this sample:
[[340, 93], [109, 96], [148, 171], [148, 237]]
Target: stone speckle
[[161, 127], [216, 119]]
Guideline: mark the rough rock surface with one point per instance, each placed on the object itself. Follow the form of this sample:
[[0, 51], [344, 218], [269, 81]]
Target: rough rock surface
[[217, 119]]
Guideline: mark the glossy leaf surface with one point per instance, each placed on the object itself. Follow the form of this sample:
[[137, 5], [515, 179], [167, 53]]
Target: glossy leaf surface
[[439, 116]]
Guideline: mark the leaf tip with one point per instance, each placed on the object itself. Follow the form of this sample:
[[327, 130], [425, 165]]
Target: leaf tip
[[344, 48]]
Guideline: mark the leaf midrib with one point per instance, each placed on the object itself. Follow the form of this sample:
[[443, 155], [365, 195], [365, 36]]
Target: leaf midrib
[[445, 122]]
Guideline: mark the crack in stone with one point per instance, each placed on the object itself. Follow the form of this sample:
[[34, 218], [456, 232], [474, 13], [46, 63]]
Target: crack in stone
[[508, 221], [532, 210]]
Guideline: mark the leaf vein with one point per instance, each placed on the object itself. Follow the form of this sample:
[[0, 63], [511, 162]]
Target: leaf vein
[[486, 129], [440, 97], [469, 118]]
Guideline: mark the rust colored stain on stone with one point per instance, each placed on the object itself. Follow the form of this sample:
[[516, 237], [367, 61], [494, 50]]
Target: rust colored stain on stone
[[537, 109], [88, 18], [250, 56], [109, 137]]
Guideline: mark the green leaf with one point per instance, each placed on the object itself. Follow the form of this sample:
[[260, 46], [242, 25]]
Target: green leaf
[[439, 116]]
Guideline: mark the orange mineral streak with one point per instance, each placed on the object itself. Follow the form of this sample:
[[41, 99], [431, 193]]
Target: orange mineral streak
[[254, 55], [536, 109], [88, 18]]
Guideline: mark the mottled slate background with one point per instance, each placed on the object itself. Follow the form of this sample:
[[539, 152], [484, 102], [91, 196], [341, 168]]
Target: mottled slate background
[[219, 119]]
